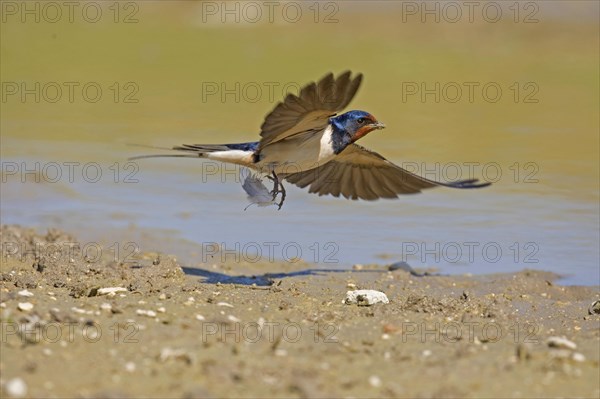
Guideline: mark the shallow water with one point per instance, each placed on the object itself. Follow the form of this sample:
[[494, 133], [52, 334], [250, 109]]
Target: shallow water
[[472, 231], [538, 142]]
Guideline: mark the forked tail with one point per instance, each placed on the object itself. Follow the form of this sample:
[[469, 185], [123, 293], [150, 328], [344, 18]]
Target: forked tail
[[221, 152]]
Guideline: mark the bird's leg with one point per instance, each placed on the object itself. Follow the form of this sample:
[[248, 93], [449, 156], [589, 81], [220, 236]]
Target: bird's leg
[[277, 189], [282, 196], [275, 185]]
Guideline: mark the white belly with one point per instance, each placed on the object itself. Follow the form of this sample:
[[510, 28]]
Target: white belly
[[297, 154]]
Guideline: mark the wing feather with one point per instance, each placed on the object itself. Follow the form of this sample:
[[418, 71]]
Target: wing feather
[[348, 189], [311, 109], [358, 173]]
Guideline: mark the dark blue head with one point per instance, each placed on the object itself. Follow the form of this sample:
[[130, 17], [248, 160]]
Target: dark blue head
[[356, 124]]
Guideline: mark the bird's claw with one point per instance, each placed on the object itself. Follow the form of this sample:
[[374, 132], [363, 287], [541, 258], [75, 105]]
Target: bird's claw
[[282, 191], [282, 196], [275, 193], [277, 189]]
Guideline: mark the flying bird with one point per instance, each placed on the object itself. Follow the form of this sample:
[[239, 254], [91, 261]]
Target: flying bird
[[304, 141]]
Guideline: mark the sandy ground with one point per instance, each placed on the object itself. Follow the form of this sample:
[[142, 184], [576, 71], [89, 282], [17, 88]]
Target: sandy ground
[[282, 330]]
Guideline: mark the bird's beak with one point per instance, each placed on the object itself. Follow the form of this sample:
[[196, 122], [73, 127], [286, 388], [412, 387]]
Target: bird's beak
[[363, 131], [378, 125]]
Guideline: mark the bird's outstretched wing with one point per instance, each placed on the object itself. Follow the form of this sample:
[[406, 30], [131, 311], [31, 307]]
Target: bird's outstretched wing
[[358, 173], [311, 109]]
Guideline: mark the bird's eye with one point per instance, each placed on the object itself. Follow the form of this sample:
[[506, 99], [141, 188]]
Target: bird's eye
[[361, 120]]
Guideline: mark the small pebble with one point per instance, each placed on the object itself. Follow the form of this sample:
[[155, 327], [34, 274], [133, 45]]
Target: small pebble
[[375, 381], [16, 388], [111, 290], [225, 304], [280, 352], [25, 306], [167, 354], [390, 328], [200, 317], [91, 334], [233, 319], [561, 343], [190, 301], [161, 309], [149, 313], [130, 367], [25, 293], [106, 306], [365, 297]]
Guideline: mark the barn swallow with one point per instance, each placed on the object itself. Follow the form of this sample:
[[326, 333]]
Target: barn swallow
[[305, 142]]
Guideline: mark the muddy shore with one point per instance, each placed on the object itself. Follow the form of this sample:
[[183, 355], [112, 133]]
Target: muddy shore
[[81, 326]]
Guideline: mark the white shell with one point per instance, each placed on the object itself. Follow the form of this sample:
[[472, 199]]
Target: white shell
[[365, 297], [561, 342], [25, 306], [111, 290], [143, 312]]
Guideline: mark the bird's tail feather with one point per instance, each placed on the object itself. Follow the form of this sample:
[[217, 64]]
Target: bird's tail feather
[[163, 156], [195, 150], [202, 148], [158, 155]]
